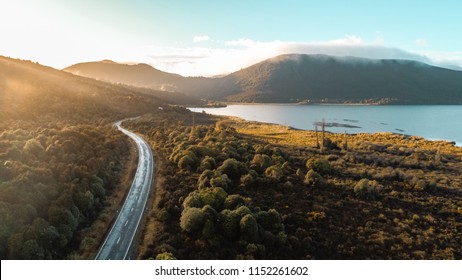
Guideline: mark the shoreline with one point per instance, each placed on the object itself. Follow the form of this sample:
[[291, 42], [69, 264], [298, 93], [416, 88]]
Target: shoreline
[[433, 139]]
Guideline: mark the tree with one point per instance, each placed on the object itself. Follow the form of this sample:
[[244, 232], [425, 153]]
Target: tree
[[192, 220]]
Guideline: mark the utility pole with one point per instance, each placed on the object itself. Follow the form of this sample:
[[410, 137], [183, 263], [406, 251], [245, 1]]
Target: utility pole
[[345, 142], [322, 139], [317, 138]]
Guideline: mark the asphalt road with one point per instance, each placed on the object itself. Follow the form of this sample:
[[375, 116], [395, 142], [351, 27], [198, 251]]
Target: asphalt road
[[119, 240]]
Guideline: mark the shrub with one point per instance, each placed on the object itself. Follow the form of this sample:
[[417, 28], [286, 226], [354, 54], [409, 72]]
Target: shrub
[[221, 181], [422, 185], [34, 147], [165, 256], [209, 212], [207, 163], [270, 221], [192, 220], [250, 179], [204, 179], [328, 144], [286, 168], [261, 162], [367, 188], [249, 228], [316, 215], [208, 231], [193, 200], [233, 201], [203, 151], [274, 172], [163, 215], [241, 211], [312, 178], [213, 178], [186, 162], [321, 166], [229, 223], [233, 168], [214, 197]]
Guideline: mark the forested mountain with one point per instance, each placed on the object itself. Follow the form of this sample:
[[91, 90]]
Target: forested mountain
[[302, 78], [290, 78], [60, 157]]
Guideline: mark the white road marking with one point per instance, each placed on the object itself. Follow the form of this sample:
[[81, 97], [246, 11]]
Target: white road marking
[[118, 240]]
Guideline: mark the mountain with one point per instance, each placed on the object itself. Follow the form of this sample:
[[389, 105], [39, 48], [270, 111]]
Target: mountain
[[292, 78], [301, 78], [30, 90], [141, 75]]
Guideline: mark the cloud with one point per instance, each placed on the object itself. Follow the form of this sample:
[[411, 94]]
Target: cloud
[[236, 54], [452, 60], [201, 38]]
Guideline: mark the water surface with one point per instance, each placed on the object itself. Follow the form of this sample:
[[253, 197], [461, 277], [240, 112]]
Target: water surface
[[433, 122]]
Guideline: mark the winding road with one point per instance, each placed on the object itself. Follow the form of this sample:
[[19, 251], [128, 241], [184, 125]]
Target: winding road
[[120, 238]]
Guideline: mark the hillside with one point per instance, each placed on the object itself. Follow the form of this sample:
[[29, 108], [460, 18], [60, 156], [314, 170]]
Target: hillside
[[143, 75], [290, 78], [31, 91], [62, 164], [301, 78]]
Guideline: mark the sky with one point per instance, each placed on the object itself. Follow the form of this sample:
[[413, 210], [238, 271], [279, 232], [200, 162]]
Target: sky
[[213, 37]]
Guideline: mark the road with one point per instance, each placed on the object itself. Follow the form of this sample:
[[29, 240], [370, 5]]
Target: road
[[119, 240]]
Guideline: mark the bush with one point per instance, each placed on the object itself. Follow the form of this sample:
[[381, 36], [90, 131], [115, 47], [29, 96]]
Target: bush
[[229, 223], [312, 178], [214, 197], [209, 212], [328, 144], [249, 180], [321, 166], [34, 147], [274, 172], [209, 179], [192, 220], [286, 168], [249, 228], [204, 179], [221, 181], [193, 200], [367, 188], [163, 215], [186, 162], [270, 221], [207, 163], [165, 256], [233, 168], [241, 211], [422, 185], [261, 162], [233, 201]]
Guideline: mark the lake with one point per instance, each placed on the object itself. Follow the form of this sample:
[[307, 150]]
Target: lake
[[433, 122]]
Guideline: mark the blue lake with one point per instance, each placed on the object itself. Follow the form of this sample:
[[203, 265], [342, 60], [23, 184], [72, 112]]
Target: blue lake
[[432, 122]]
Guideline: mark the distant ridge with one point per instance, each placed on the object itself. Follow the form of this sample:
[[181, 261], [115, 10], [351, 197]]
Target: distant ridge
[[301, 78], [30, 90]]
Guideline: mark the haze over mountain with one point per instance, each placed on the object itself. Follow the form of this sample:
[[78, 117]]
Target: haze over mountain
[[301, 78], [30, 90]]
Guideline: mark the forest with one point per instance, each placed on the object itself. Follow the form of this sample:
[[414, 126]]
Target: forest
[[61, 161], [230, 189]]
